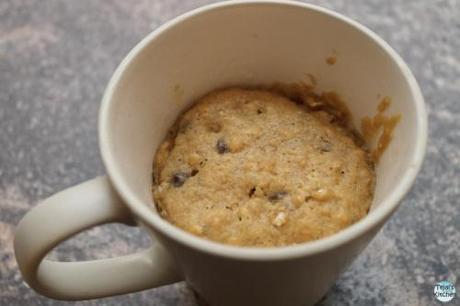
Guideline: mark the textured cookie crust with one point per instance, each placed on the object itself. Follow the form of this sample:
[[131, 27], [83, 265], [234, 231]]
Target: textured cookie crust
[[253, 168]]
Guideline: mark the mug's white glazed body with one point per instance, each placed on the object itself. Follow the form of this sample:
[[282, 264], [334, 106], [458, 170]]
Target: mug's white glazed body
[[257, 42]]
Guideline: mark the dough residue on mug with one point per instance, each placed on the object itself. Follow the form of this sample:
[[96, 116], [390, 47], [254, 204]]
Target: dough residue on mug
[[331, 60], [379, 128]]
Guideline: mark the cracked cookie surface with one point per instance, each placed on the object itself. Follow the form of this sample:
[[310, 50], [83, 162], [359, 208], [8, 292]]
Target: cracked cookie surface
[[253, 168]]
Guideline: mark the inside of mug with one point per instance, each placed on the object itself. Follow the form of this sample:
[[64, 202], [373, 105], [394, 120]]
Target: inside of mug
[[252, 44]]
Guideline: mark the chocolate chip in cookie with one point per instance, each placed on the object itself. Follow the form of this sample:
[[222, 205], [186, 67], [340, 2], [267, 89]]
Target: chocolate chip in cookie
[[251, 192], [178, 179], [222, 146], [276, 196]]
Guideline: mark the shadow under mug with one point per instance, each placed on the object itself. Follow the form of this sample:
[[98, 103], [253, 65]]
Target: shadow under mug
[[237, 42]]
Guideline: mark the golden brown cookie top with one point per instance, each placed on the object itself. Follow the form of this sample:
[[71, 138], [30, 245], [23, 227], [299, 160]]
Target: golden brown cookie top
[[252, 168]]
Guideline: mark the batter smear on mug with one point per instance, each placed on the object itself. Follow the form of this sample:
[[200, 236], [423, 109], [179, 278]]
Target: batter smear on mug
[[272, 166], [382, 124]]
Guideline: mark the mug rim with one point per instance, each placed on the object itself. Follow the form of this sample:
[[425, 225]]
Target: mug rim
[[379, 214]]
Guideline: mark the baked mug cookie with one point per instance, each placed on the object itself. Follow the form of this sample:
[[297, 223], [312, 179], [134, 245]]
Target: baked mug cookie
[[258, 167]]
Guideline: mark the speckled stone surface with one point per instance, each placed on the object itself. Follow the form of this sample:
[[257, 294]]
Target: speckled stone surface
[[55, 60]]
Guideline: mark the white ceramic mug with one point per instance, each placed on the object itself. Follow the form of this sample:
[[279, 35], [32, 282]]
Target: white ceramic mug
[[237, 42]]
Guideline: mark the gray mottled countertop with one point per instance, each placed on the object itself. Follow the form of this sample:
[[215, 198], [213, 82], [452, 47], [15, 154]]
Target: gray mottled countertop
[[55, 60]]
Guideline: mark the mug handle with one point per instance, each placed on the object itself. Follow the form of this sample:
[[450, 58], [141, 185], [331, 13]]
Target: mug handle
[[67, 213]]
